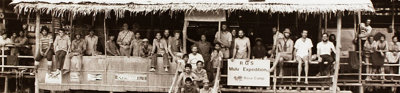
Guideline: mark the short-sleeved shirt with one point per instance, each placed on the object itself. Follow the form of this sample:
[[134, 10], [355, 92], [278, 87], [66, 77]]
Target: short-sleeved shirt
[[325, 48], [202, 73], [204, 47], [136, 43], [284, 45], [259, 51], [62, 43], [194, 58], [160, 45], [45, 41], [216, 58], [124, 38], [241, 44], [91, 44], [112, 47], [175, 44], [78, 45], [225, 37], [302, 46], [365, 30]]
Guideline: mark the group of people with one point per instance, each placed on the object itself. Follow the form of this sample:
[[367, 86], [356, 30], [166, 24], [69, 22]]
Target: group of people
[[14, 46]]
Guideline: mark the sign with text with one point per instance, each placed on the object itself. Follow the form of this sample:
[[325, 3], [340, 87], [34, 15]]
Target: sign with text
[[131, 77], [95, 77], [53, 78], [248, 73]]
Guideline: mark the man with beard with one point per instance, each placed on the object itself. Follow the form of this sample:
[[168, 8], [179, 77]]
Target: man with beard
[[324, 50], [224, 37], [284, 51], [303, 51], [242, 48], [124, 40]]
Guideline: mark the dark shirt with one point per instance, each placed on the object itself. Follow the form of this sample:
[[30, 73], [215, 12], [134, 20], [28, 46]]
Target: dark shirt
[[190, 89], [259, 51]]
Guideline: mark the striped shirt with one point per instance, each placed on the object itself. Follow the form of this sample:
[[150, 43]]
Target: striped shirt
[[45, 41]]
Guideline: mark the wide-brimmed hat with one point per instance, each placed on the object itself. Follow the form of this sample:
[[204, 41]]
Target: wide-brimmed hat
[[286, 31], [145, 40]]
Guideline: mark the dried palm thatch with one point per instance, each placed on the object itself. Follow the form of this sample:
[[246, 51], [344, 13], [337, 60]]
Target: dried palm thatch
[[120, 7]]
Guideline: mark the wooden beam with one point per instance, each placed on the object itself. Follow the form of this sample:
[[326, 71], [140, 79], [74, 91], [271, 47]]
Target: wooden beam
[[37, 33], [6, 85], [326, 22], [338, 46], [105, 35], [184, 32], [277, 24], [360, 49]]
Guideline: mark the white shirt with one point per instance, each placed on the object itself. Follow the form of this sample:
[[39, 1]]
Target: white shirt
[[194, 58], [325, 48], [303, 46], [3, 42]]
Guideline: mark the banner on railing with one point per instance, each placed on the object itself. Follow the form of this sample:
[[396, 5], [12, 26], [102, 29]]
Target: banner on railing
[[248, 73], [53, 78], [131, 77]]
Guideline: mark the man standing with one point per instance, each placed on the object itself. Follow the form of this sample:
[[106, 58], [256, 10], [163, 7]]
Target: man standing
[[61, 46], [135, 45], [45, 42], [124, 40], [77, 49], [284, 51], [111, 47], [242, 49], [324, 50], [224, 37], [303, 51], [175, 44], [161, 50], [91, 43]]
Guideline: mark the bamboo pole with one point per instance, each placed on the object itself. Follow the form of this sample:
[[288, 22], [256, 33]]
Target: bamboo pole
[[277, 24], [105, 36], [338, 46], [6, 84], [37, 33], [326, 22]]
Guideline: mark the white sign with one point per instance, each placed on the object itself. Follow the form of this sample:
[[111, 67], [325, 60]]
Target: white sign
[[95, 77], [53, 78], [248, 73], [131, 77]]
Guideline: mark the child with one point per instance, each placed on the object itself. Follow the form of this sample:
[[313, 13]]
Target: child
[[216, 58], [180, 63], [189, 87]]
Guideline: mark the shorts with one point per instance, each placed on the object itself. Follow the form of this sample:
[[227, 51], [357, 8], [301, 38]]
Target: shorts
[[286, 57]]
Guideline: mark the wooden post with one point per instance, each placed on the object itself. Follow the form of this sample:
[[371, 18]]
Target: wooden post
[[320, 28], [37, 33], [360, 56], [277, 24], [105, 36], [184, 32], [326, 22], [338, 46], [6, 84]]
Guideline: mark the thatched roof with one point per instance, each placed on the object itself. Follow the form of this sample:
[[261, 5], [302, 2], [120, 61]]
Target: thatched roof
[[89, 7]]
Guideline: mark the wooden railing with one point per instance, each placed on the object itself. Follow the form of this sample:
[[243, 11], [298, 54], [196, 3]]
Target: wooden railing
[[217, 79], [173, 85]]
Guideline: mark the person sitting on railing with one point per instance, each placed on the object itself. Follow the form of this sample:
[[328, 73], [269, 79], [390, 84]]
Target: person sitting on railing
[[45, 48], [369, 48], [175, 45], [78, 48], [194, 57], [91, 44], [161, 50], [284, 51], [378, 57], [19, 43], [187, 74], [201, 73], [145, 48], [324, 50], [277, 35], [135, 45], [216, 59], [61, 46], [3, 42], [189, 87], [259, 51], [303, 52], [111, 47], [393, 54], [206, 87]]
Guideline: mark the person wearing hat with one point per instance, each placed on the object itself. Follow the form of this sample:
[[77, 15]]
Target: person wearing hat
[[111, 47], [284, 51], [145, 48], [258, 51]]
